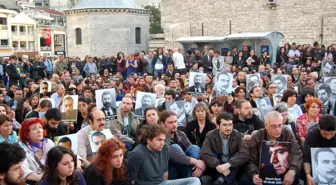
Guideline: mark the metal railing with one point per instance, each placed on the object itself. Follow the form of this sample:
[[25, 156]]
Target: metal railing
[[5, 47]]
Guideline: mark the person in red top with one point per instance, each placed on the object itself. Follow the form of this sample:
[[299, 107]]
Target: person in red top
[[303, 123]]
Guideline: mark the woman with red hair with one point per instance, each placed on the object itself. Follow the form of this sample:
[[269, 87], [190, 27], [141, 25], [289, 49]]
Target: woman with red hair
[[107, 168], [304, 122], [36, 148]]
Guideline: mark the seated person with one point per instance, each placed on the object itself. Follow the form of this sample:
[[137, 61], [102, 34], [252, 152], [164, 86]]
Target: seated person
[[224, 150], [321, 136], [110, 162], [36, 148], [148, 162], [124, 127], [53, 125], [183, 156], [274, 131], [96, 119], [66, 174]]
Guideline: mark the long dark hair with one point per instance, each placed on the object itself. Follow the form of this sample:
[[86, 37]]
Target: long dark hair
[[54, 157]]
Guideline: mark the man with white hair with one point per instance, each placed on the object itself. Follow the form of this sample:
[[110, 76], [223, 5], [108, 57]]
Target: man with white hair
[[160, 91], [313, 75], [276, 132], [178, 61]]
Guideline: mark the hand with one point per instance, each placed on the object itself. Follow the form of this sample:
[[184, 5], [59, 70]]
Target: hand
[[289, 177], [200, 164], [310, 180], [257, 180], [223, 167], [247, 138], [226, 173], [197, 172], [23, 75]]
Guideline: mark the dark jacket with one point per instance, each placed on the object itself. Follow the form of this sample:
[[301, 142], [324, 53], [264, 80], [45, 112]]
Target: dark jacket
[[238, 150], [193, 133], [92, 177], [38, 70], [314, 139], [206, 64], [249, 125], [13, 74], [295, 153], [165, 60], [52, 133]]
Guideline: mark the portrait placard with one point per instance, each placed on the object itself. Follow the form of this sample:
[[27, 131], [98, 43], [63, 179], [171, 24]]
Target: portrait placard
[[69, 108], [281, 82], [179, 108], [68, 141], [323, 162], [96, 138], [274, 161], [143, 100], [223, 84], [106, 102], [197, 82]]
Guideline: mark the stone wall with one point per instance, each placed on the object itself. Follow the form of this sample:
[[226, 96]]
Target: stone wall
[[299, 20], [106, 33]]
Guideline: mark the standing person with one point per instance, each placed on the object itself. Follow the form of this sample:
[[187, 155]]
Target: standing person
[[62, 161], [38, 68], [11, 170], [131, 65], [121, 62], [12, 71], [108, 167], [49, 67], [159, 63], [61, 65], [90, 67], [148, 162], [217, 63], [179, 61], [149, 67]]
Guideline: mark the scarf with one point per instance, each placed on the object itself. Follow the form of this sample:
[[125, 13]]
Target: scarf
[[35, 146]]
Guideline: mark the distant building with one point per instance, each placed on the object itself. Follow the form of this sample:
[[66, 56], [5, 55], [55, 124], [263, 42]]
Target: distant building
[[105, 27], [6, 48]]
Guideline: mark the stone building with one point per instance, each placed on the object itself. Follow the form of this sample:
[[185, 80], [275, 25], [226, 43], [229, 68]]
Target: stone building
[[105, 27], [300, 21]]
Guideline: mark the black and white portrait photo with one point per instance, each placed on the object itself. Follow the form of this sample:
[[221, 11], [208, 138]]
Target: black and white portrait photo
[[323, 162], [281, 82], [179, 108], [45, 89], [106, 102], [68, 108], [143, 100], [197, 82], [264, 104], [327, 68], [252, 80], [223, 84], [276, 99], [331, 81], [323, 92]]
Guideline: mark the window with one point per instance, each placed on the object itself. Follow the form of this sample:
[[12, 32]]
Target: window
[[14, 28], [78, 36], [22, 29], [3, 21], [3, 42], [137, 35]]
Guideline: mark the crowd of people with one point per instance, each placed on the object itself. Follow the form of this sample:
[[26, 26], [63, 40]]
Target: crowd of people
[[210, 137]]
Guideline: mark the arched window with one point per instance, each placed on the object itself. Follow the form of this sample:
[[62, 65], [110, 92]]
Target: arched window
[[78, 36], [137, 35]]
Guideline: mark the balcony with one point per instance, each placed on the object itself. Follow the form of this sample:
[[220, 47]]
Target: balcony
[[4, 34], [3, 27], [5, 47]]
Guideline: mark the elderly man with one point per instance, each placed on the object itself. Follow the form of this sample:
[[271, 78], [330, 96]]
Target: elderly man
[[274, 131]]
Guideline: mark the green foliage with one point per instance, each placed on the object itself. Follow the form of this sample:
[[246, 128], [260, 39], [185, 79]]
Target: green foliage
[[154, 19]]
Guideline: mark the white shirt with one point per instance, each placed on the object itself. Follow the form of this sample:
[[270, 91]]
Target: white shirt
[[292, 53], [178, 57]]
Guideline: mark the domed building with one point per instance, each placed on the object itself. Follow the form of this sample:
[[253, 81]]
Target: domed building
[[105, 27]]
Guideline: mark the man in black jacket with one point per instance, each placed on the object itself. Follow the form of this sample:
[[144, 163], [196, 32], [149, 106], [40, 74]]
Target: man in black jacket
[[38, 68], [246, 122], [322, 136], [13, 74], [53, 124]]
